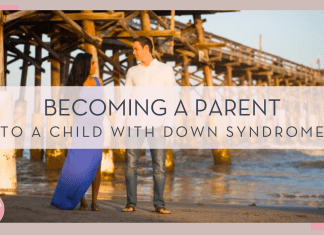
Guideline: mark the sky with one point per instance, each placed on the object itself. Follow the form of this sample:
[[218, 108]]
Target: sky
[[296, 35]]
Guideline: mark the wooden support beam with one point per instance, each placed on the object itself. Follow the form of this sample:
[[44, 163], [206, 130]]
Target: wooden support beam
[[11, 54], [22, 41], [250, 68], [68, 47], [186, 75], [185, 32], [128, 29], [8, 164], [132, 15], [269, 80], [22, 55], [92, 40], [236, 63], [55, 72], [38, 72], [221, 156], [98, 16], [101, 69], [186, 53], [89, 29], [107, 31], [199, 29], [9, 27], [13, 60], [55, 64], [5, 57], [37, 118], [208, 75], [179, 64], [185, 42], [242, 80], [128, 18], [55, 157], [112, 62], [16, 15], [127, 53], [112, 28], [110, 80], [198, 79], [131, 60], [145, 20], [197, 70], [208, 45], [105, 25], [64, 70], [228, 76], [217, 76], [107, 81], [158, 19], [172, 19], [2, 66], [146, 33], [39, 40], [65, 26], [116, 77], [24, 68], [79, 30], [264, 73], [259, 82], [248, 75], [201, 38], [216, 58], [22, 93], [126, 42]]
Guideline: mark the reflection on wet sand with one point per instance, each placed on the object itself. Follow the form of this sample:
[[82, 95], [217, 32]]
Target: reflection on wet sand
[[261, 177]]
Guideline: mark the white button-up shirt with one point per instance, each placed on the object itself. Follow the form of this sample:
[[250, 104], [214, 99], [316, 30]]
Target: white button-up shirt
[[156, 74], [140, 77]]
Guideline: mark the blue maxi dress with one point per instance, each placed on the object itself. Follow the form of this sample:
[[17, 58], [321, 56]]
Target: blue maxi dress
[[79, 169]]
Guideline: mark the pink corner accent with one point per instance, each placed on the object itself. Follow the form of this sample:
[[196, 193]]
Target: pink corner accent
[[317, 226], [1, 209], [8, 7]]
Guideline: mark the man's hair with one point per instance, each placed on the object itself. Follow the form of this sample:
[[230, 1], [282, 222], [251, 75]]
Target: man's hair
[[143, 41]]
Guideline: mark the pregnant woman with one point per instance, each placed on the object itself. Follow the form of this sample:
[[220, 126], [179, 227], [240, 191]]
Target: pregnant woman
[[82, 166]]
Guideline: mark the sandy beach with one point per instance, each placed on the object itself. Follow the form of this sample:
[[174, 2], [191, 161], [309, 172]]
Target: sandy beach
[[36, 209]]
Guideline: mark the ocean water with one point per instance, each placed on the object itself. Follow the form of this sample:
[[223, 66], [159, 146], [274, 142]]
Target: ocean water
[[264, 177]]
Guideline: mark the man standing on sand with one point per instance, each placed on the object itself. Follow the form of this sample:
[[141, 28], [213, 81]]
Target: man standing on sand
[[150, 72]]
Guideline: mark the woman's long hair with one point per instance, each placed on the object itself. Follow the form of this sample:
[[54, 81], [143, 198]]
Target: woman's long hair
[[80, 70]]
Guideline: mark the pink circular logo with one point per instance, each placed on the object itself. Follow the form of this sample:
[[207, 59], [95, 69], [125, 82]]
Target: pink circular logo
[[1, 209]]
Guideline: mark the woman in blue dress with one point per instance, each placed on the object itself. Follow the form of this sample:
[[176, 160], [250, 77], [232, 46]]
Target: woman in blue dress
[[82, 166]]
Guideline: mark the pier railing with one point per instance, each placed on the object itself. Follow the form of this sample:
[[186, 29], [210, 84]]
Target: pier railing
[[244, 55]]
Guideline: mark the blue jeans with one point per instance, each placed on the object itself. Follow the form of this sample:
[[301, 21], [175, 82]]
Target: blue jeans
[[158, 160]]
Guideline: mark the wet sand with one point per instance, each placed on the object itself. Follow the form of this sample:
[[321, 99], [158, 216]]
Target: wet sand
[[37, 209], [264, 177]]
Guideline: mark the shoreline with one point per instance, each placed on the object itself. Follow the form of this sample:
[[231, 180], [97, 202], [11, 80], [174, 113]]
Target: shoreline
[[36, 209]]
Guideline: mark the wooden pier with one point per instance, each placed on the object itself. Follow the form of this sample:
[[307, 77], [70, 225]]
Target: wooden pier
[[222, 62], [199, 57]]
